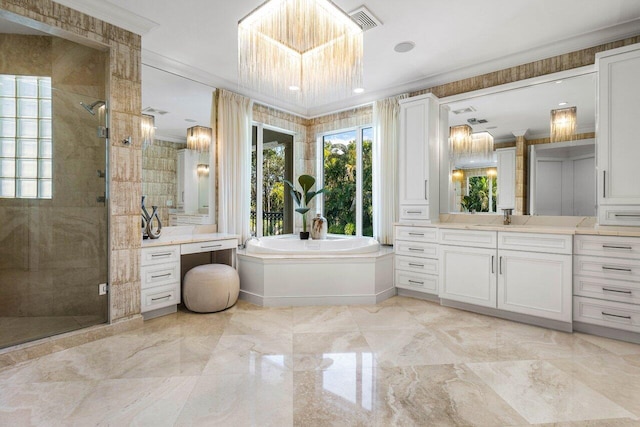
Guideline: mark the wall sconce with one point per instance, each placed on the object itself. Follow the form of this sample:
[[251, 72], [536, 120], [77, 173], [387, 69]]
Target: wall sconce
[[563, 124], [148, 127], [199, 138], [203, 170], [457, 175]]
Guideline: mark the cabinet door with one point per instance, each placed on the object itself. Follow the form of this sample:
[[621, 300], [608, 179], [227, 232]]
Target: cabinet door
[[418, 158], [618, 116], [536, 284], [468, 275], [506, 178]]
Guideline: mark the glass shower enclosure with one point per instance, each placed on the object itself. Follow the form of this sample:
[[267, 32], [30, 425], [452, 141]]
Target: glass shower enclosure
[[53, 187]]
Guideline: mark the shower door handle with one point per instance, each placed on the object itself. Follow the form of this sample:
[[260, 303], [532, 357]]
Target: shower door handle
[[102, 199]]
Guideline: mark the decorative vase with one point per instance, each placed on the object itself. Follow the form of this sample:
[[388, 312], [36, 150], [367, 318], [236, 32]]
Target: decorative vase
[[145, 220], [304, 235], [153, 231], [319, 227]]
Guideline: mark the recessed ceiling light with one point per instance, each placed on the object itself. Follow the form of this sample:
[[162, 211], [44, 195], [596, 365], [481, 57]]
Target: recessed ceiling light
[[190, 120], [558, 81], [358, 90], [294, 88], [404, 46], [563, 103]]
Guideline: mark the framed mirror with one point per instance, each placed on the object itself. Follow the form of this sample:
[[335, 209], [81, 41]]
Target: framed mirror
[[179, 181], [516, 119]]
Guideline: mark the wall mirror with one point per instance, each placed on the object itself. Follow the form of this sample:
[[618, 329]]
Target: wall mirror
[[558, 170], [180, 182]]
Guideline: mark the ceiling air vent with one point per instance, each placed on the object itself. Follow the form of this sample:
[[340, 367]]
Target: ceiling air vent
[[464, 110], [475, 121], [153, 111], [365, 18]]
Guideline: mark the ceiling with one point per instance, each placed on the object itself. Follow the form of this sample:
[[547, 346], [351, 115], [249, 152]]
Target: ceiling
[[454, 39]]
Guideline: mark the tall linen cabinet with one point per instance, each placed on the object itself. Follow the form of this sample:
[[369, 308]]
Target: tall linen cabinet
[[618, 144], [416, 266]]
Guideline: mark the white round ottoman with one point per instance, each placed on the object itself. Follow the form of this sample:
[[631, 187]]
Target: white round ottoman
[[210, 287]]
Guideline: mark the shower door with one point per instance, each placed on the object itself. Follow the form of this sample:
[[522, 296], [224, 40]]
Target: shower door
[[53, 187]]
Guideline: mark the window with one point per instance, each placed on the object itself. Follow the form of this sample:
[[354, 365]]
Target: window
[[25, 137], [346, 174], [271, 162]]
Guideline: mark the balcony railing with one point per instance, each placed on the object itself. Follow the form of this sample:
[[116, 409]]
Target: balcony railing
[[272, 223]]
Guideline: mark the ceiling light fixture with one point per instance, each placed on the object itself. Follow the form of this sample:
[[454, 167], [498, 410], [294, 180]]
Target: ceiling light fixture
[[358, 90], [404, 47], [310, 44], [199, 138], [563, 124]]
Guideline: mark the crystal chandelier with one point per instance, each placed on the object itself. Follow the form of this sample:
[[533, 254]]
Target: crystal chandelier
[[467, 146], [148, 128], [199, 138], [563, 124], [308, 52]]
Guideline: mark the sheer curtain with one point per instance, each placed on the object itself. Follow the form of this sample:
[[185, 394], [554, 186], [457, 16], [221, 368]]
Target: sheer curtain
[[234, 113], [386, 125]]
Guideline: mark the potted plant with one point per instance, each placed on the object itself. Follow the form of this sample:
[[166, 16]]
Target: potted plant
[[303, 198]]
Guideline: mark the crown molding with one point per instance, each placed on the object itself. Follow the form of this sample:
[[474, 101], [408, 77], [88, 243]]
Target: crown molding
[[112, 14]]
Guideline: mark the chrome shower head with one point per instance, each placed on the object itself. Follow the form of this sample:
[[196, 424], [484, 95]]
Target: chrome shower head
[[90, 107]]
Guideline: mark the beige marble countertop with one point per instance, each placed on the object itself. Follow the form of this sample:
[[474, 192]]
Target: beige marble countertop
[[530, 224], [186, 234]]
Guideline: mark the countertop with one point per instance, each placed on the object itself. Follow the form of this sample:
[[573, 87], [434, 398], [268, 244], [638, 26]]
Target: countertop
[[178, 239], [570, 225]]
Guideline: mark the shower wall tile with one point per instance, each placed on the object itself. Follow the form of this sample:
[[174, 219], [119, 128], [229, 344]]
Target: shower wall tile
[[25, 55], [122, 126], [125, 232], [128, 98], [125, 266], [125, 198], [125, 299], [126, 164]]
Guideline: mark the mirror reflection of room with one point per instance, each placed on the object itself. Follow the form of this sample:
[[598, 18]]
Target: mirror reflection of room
[[178, 167], [530, 149]]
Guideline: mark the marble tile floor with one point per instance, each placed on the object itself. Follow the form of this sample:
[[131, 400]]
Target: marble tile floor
[[404, 362]]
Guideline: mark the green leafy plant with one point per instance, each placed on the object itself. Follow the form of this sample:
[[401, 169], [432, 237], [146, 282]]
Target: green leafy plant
[[304, 197]]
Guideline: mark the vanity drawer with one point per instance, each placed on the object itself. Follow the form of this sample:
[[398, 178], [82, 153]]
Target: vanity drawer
[[414, 212], [160, 296], [417, 234], [619, 215], [160, 274], [536, 242], [608, 268], [213, 245], [608, 246], [417, 282], [607, 313], [160, 255], [417, 265], [608, 289], [470, 238], [416, 249]]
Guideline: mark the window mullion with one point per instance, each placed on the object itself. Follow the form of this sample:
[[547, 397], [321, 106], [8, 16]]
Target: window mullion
[[259, 179], [359, 173]]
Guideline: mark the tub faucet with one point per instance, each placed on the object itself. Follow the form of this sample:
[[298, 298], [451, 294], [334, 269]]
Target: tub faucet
[[507, 216], [252, 237]]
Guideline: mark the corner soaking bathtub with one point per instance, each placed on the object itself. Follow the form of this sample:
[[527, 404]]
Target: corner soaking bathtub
[[292, 245], [281, 271]]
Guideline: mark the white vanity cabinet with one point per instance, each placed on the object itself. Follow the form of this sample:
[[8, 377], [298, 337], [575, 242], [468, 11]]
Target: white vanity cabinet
[[468, 265], [160, 276], [618, 148], [535, 274], [416, 259], [525, 273], [418, 159], [607, 281]]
